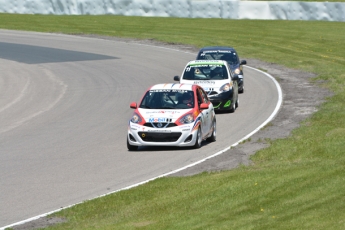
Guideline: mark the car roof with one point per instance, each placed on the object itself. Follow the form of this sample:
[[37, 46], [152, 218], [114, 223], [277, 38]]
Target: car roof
[[173, 86], [208, 48], [200, 62]]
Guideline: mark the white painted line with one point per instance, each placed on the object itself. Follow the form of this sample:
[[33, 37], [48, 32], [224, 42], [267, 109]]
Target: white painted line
[[42, 110], [19, 98]]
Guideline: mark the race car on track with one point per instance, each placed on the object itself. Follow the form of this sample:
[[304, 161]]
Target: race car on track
[[216, 78], [228, 54], [172, 115]]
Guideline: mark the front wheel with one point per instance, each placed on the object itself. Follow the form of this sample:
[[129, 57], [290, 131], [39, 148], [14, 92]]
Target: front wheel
[[212, 138], [241, 90], [198, 140], [131, 147]]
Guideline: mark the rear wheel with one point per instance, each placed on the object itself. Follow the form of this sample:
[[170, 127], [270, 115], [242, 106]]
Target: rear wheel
[[212, 138], [131, 147], [198, 139]]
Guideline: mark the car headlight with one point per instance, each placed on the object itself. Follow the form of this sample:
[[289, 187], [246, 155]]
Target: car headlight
[[226, 87], [237, 71], [136, 118], [187, 119]]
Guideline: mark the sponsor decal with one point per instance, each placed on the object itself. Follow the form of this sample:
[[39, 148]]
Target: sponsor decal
[[159, 131], [158, 119], [216, 51], [203, 65], [168, 90], [204, 82], [135, 126], [163, 111]]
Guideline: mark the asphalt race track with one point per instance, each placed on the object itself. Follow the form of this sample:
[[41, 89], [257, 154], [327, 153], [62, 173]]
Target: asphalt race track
[[64, 109]]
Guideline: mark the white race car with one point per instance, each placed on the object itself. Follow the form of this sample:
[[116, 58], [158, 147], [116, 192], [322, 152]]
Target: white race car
[[216, 78], [172, 115]]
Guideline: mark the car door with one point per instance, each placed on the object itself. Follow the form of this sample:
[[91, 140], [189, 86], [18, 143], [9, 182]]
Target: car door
[[206, 113]]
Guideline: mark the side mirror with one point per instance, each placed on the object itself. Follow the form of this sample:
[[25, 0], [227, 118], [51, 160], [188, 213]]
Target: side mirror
[[243, 62], [133, 105], [176, 78], [204, 106], [235, 77]]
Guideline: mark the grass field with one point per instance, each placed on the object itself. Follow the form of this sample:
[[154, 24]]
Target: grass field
[[296, 183], [301, 1]]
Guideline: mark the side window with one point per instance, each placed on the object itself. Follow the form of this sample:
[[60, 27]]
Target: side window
[[235, 58], [146, 100], [204, 95], [200, 98]]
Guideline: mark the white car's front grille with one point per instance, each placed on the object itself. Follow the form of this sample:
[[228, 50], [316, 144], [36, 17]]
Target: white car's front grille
[[160, 125]]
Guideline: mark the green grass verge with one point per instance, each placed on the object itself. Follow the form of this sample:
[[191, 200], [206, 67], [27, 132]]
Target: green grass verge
[[299, 0], [296, 183]]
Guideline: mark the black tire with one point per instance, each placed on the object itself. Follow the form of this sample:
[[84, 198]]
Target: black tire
[[198, 140], [212, 138], [131, 147], [241, 90]]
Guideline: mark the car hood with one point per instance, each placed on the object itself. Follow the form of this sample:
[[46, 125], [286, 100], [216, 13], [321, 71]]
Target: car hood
[[162, 115], [207, 85]]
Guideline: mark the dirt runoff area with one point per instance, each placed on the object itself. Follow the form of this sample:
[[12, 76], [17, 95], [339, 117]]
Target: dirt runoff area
[[301, 98]]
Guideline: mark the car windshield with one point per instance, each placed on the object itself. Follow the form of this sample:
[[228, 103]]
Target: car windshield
[[205, 72], [229, 56], [168, 99]]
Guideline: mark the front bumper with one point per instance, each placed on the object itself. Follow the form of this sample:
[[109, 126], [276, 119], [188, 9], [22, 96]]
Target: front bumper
[[222, 101], [181, 136]]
